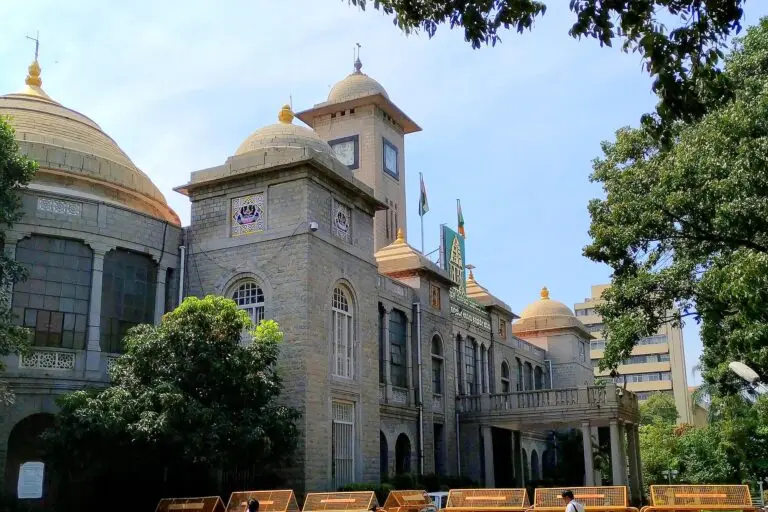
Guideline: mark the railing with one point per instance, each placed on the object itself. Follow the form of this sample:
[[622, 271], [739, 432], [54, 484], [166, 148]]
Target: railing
[[548, 398]]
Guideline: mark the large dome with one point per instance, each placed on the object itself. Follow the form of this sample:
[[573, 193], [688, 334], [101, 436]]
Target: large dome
[[284, 134], [65, 142], [547, 315], [356, 85], [546, 307]]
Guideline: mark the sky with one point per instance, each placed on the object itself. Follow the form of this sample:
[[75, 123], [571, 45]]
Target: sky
[[509, 130]]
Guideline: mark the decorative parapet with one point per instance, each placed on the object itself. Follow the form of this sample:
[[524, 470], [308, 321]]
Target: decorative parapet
[[47, 360], [399, 396]]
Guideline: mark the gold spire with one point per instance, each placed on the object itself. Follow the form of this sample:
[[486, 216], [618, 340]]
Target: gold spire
[[33, 75], [544, 293], [400, 236], [471, 275], [286, 115]]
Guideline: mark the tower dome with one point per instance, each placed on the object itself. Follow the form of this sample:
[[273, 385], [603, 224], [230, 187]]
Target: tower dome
[[355, 85], [284, 134], [547, 314], [75, 154]]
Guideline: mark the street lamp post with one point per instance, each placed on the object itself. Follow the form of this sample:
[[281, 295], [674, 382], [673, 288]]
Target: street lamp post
[[749, 375], [670, 474]]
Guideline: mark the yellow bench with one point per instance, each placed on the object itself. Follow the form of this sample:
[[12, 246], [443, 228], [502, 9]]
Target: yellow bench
[[205, 504], [406, 501], [594, 499], [359, 501], [487, 500], [269, 501], [700, 497]]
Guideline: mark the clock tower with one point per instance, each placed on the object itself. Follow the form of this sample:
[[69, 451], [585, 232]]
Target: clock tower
[[367, 132]]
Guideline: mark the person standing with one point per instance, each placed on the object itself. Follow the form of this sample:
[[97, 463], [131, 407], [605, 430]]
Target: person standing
[[571, 505]]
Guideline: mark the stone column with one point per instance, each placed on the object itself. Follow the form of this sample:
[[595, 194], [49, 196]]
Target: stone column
[[160, 293], [617, 466], [460, 386], [623, 448], [589, 461], [634, 464], [409, 355], [598, 474], [639, 464], [488, 455], [486, 380], [93, 354], [517, 446]]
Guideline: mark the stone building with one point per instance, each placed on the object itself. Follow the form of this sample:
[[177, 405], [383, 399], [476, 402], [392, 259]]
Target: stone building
[[397, 364]]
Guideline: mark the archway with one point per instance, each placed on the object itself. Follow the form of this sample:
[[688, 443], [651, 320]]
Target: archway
[[383, 456], [402, 454], [526, 469], [25, 446], [535, 466]]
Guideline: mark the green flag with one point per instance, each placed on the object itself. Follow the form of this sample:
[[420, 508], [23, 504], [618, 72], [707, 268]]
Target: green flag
[[461, 219]]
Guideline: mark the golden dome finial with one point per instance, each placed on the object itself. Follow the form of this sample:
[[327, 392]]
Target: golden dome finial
[[286, 115], [400, 236], [471, 275], [544, 293], [33, 75]]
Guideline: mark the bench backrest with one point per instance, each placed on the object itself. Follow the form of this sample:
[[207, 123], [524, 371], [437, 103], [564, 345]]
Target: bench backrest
[[496, 499], [205, 504], [269, 501], [403, 501], [605, 496], [340, 501], [700, 495]]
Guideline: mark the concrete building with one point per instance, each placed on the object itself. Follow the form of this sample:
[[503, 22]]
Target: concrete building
[[397, 364], [657, 363]]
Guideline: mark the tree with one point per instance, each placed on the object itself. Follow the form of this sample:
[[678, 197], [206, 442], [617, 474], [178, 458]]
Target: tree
[[659, 408], [187, 397], [684, 227], [16, 171], [683, 61]]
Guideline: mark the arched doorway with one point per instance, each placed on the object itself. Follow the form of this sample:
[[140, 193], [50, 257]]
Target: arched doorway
[[526, 469], [24, 447], [402, 454], [383, 456], [535, 466]]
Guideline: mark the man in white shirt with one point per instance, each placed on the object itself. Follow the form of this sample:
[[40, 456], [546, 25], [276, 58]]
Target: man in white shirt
[[571, 505]]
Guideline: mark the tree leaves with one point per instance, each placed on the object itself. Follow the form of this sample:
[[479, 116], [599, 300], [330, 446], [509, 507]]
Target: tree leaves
[[684, 226], [683, 60], [16, 171], [185, 393]]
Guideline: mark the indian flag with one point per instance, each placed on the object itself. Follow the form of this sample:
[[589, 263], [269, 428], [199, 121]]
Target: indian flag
[[461, 219], [423, 204]]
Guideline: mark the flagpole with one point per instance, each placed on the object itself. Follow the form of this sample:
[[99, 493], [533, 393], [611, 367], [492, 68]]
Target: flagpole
[[421, 213]]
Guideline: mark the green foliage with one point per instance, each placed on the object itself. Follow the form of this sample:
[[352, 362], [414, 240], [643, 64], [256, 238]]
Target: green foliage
[[682, 54], [16, 171], [659, 408], [684, 227], [732, 449], [381, 490], [186, 395]]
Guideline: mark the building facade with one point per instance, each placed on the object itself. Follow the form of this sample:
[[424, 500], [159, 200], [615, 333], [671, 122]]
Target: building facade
[[657, 363], [397, 364]]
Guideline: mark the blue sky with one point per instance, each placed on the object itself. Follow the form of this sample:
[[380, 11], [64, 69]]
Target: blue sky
[[510, 130]]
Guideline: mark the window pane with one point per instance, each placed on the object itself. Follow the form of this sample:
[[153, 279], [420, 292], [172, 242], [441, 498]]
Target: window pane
[[397, 354]]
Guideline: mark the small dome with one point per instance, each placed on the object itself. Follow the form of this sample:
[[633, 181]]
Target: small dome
[[356, 85], [95, 157], [546, 307], [284, 134]]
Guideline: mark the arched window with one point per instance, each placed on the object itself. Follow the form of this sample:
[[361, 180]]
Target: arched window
[[437, 365], [383, 456], [528, 376], [470, 366], [526, 468], [520, 386], [505, 386], [483, 369], [343, 335], [250, 298], [538, 378], [535, 465], [402, 455]]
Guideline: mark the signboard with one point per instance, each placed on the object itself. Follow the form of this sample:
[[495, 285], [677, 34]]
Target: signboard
[[30, 484], [464, 307], [452, 255]]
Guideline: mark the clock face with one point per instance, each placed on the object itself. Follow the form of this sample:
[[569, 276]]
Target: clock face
[[345, 152], [390, 158]]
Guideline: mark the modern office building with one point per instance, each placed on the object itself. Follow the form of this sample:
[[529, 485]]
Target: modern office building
[[657, 363]]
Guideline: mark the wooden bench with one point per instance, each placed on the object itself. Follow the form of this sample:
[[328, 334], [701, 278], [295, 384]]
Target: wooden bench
[[700, 497], [407, 501], [487, 500], [205, 504], [269, 501], [594, 499], [340, 501]]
